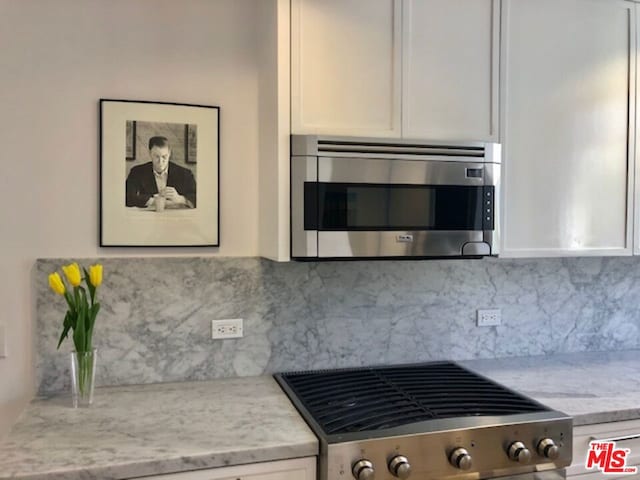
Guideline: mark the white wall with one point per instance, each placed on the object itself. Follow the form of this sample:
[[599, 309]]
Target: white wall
[[57, 59]]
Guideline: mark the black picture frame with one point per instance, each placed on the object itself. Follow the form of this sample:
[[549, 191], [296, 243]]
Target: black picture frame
[[133, 211]]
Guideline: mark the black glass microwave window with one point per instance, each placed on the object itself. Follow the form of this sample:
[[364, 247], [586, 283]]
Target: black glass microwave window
[[356, 206]]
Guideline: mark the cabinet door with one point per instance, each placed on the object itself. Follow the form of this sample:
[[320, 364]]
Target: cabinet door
[[636, 203], [568, 85], [345, 67], [289, 475], [626, 434], [296, 469], [450, 69]]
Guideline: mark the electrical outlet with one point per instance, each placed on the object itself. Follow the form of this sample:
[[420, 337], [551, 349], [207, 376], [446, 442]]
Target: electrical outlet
[[489, 317], [228, 328]]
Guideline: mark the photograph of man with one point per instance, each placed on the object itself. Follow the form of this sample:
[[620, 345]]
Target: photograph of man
[[160, 183]]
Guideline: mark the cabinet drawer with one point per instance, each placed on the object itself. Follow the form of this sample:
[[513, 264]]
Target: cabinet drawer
[[625, 434], [297, 469]]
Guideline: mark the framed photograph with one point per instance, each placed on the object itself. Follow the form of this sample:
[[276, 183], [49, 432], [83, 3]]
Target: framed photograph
[[159, 174]]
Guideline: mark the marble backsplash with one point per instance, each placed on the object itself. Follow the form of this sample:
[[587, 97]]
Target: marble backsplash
[[155, 323]]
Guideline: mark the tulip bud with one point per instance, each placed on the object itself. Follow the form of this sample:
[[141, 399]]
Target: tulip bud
[[95, 274], [55, 282], [72, 272]]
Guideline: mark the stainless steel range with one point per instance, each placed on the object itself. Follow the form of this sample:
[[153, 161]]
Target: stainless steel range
[[430, 421]]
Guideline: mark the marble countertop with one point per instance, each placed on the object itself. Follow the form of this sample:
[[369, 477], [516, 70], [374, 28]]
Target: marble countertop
[[592, 387], [161, 428], [152, 429]]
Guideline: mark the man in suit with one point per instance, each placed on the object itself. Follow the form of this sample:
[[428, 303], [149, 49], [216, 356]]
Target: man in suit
[[162, 178]]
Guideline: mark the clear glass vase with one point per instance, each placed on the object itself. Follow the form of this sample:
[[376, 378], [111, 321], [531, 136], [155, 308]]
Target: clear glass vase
[[83, 374]]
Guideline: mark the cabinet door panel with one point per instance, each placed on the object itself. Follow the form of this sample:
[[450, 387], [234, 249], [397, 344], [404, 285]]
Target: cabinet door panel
[[345, 66], [568, 84], [636, 203], [450, 69], [290, 475], [297, 469], [626, 434]]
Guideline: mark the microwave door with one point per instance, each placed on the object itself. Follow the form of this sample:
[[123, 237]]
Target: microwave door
[[360, 207], [402, 208], [370, 220]]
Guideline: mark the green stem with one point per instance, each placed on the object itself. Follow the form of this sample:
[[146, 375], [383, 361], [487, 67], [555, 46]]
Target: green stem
[[85, 368]]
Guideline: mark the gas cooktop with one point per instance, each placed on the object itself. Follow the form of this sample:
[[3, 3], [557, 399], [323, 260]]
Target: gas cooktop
[[433, 420]]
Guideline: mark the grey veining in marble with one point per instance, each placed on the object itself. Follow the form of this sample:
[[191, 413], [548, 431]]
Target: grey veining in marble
[[592, 387], [153, 429], [155, 322]]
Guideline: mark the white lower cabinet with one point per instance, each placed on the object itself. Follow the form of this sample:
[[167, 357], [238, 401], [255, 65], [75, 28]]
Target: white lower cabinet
[[626, 435], [297, 469]]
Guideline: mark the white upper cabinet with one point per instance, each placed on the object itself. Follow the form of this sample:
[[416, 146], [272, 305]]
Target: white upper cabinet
[[345, 67], [450, 69], [568, 90], [395, 68], [636, 192]]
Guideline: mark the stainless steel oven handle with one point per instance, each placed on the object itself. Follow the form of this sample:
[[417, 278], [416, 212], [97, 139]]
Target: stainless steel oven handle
[[623, 438], [559, 474]]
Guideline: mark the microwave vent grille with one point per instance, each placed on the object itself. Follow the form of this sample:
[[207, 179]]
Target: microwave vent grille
[[407, 149], [391, 148]]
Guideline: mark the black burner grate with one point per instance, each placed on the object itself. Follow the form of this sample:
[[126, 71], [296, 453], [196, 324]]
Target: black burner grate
[[356, 400]]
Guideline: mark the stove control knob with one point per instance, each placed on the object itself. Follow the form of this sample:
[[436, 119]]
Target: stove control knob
[[363, 470], [399, 467], [461, 459], [518, 452], [548, 448]]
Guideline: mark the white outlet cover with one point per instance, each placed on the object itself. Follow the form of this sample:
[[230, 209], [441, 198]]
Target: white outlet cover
[[226, 328], [491, 317]]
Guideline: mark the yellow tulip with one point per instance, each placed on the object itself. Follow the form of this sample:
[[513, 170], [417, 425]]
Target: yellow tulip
[[72, 272], [95, 274], [55, 282]]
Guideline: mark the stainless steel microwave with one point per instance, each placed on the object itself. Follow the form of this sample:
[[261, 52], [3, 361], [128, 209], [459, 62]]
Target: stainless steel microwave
[[379, 198]]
